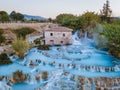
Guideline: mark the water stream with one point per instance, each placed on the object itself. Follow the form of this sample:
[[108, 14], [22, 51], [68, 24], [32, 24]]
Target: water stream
[[79, 66]]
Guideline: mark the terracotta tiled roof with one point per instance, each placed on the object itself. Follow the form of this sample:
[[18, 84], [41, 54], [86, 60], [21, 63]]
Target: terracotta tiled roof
[[59, 28]]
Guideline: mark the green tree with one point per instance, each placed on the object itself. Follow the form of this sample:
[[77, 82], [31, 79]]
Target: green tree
[[90, 19], [16, 16], [22, 32], [112, 33], [62, 18], [67, 20], [78, 22], [13, 15], [4, 17], [106, 12], [19, 16], [20, 46], [50, 20]]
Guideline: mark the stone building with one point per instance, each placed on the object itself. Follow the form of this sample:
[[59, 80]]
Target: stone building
[[58, 35]]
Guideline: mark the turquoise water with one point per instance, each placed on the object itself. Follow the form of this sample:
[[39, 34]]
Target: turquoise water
[[25, 86], [73, 59]]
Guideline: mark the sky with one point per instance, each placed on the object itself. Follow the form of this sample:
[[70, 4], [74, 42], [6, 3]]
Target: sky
[[52, 8]]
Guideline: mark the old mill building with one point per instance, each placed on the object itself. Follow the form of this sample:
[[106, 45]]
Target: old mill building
[[58, 35]]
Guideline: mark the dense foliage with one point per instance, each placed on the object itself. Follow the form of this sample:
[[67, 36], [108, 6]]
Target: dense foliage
[[22, 32], [78, 22], [20, 46], [44, 47], [37, 41], [90, 19], [16, 16], [106, 12], [4, 59], [2, 38], [112, 33], [66, 20], [4, 17], [107, 35], [18, 76]]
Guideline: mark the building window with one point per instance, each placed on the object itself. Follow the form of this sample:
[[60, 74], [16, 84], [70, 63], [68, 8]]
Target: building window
[[61, 42], [63, 34], [51, 34]]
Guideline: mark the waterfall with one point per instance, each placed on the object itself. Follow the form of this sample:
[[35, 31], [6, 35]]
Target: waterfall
[[87, 84], [81, 41], [4, 86], [75, 39], [51, 83], [84, 61], [93, 85], [31, 79], [59, 81], [85, 37]]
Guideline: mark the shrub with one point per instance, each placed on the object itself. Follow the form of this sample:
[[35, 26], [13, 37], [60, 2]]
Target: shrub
[[2, 38], [4, 59], [18, 76], [44, 75], [23, 32], [20, 46], [112, 33], [37, 41], [44, 47]]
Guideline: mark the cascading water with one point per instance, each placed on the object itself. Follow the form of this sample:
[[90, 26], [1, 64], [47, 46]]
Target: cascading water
[[87, 84], [93, 87], [75, 38], [4, 86], [81, 41], [59, 81], [31, 79], [52, 82], [81, 59]]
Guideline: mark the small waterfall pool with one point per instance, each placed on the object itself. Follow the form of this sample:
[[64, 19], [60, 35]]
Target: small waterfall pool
[[79, 59]]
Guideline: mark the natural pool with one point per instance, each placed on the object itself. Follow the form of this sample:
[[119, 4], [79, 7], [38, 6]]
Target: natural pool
[[79, 59]]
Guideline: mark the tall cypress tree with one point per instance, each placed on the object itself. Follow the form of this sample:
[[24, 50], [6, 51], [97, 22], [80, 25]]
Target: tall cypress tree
[[106, 12]]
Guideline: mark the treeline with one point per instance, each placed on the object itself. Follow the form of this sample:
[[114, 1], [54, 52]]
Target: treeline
[[87, 19], [14, 16], [78, 22], [104, 24]]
